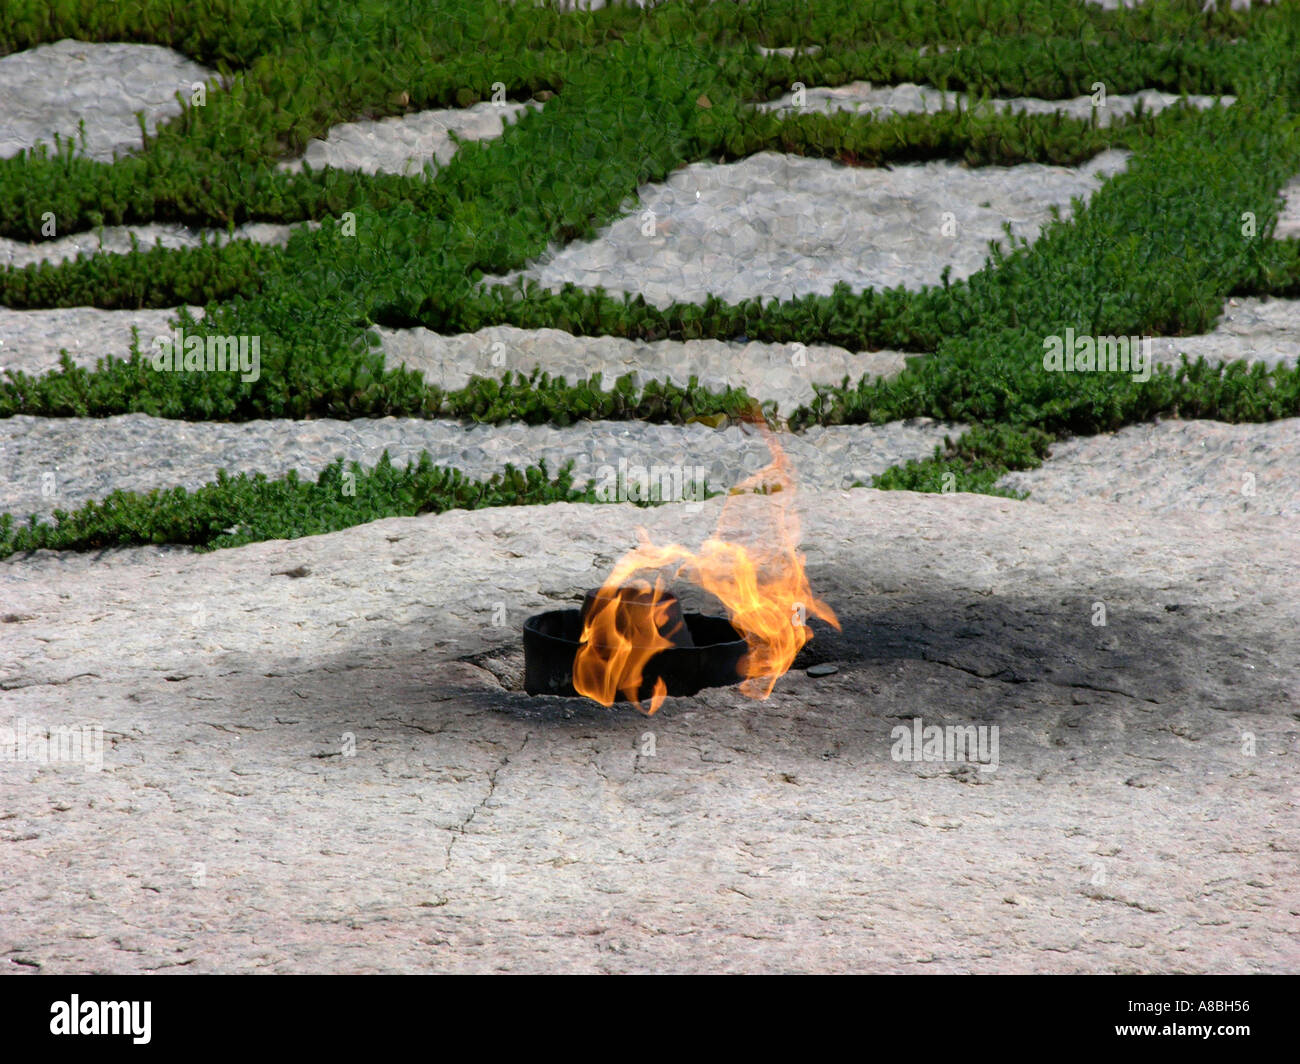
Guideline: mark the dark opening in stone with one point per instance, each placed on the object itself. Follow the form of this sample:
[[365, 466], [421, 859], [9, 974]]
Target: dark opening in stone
[[706, 651]]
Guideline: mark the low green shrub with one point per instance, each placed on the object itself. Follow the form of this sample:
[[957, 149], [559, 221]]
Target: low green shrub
[[240, 509]]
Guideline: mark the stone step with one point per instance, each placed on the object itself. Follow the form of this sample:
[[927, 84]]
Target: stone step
[[59, 463]]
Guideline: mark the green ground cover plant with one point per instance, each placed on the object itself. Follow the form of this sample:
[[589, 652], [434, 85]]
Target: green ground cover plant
[[634, 95]]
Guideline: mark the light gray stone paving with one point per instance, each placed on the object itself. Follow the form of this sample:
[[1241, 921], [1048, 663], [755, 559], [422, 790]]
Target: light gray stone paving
[[809, 50], [1172, 466], [785, 373], [59, 463], [316, 757], [774, 225], [403, 145], [1265, 331], [116, 240], [1288, 220], [31, 340], [862, 97], [1256, 330], [50, 89]]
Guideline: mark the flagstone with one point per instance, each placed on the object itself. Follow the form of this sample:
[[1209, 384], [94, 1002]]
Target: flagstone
[[1174, 466], [60, 463], [332, 727], [779, 226], [117, 240], [862, 97], [404, 145], [50, 89]]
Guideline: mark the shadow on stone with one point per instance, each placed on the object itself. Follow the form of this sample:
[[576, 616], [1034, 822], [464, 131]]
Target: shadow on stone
[[981, 657]]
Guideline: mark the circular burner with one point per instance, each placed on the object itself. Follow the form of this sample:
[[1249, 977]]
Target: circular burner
[[551, 642]]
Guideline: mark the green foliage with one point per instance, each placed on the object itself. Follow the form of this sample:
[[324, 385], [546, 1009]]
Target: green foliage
[[243, 509], [977, 135], [973, 462], [894, 318], [1275, 270], [1119, 269], [1156, 251], [158, 277], [342, 388]]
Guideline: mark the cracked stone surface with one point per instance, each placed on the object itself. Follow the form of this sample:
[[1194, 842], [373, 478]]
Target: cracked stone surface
[[49, 89], [316, 756], [775, 225]]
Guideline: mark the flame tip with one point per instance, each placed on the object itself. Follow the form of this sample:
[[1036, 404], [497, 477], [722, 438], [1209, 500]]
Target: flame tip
[[763, 588]]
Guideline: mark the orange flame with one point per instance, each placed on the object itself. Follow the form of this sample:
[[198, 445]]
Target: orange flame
[[751, 564], [622, 631]]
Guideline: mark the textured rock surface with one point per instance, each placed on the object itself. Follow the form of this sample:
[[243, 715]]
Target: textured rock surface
[[116, 240], [404, 145], [1143, 816], [58, 463], [910, 98], [1257, 330], [774, 225], [1176, 465], [783, 372], [1288, 221], [51, 88], [31, 340]]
